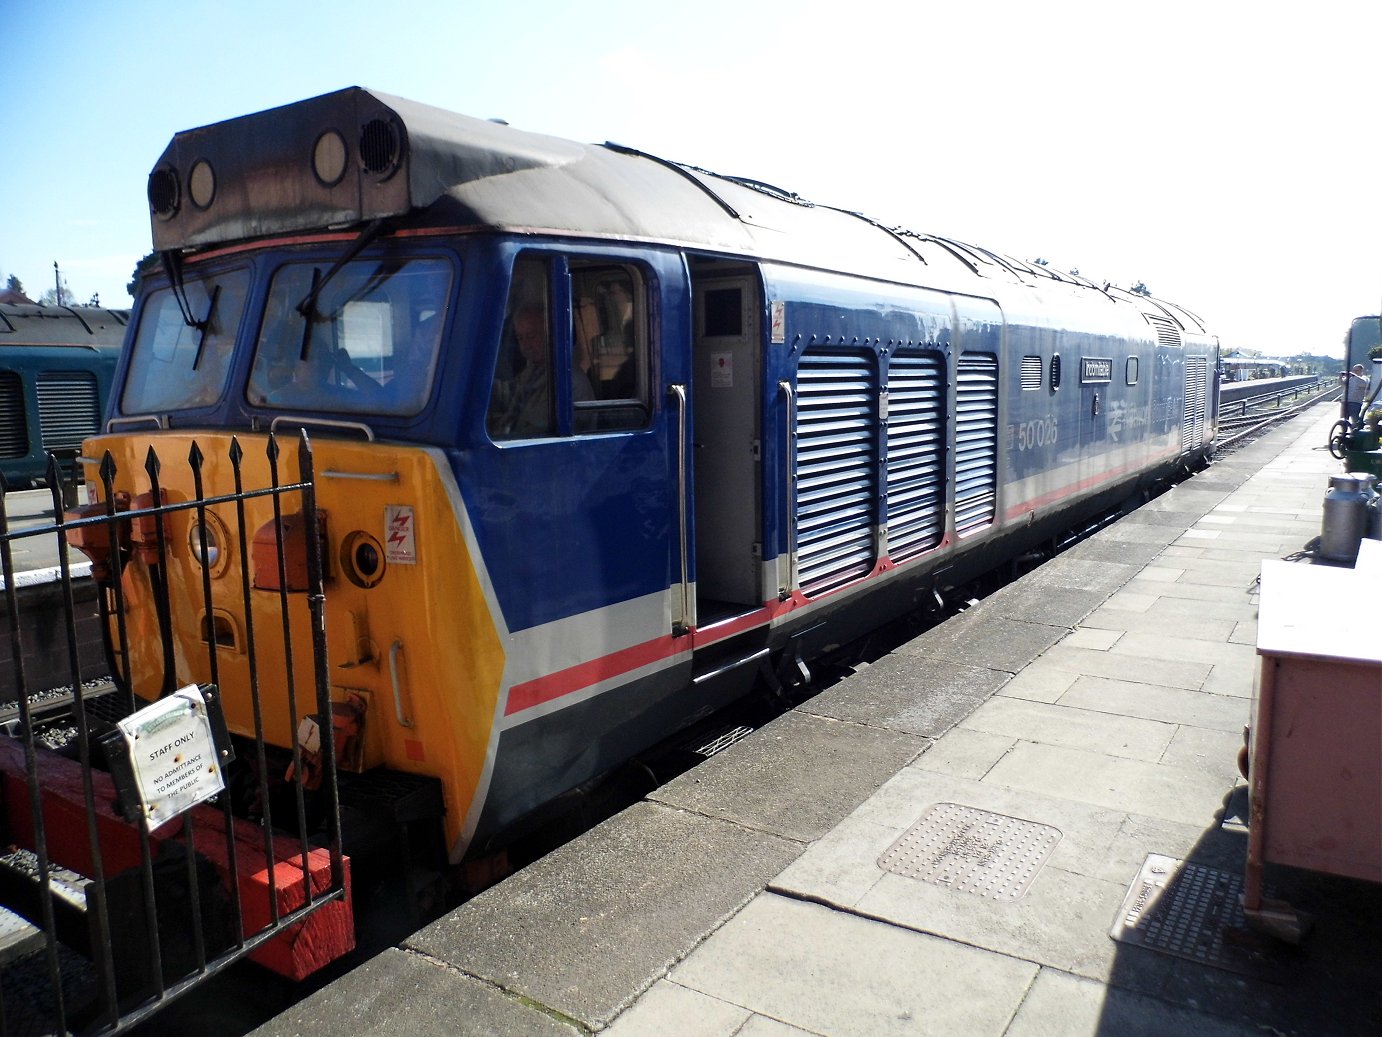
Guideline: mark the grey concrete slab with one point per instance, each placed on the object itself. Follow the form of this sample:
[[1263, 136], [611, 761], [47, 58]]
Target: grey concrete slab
[[1059, 1003], [907, 693], [1211, 752], [1163, 588], [1112, 549], [1087, 832], [1152, 515], [1235, 603], [965, 754], [1093, 638], [982, 638], [1146, 624], [774, 955], [1157, 790], [1096, 576], [1129, 737], [400, 993], [1068, 907], [1125, 667], [589, 927], [1054, 604], [1041, 682], [1149, 701], [1218, 652], [796, 778], [1124, 532], [671, 1008]]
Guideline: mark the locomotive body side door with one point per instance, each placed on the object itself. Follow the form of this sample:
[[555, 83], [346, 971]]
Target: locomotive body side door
[[726, 450]]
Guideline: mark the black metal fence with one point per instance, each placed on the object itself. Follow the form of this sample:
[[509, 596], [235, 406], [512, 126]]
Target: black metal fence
[[109, 910]]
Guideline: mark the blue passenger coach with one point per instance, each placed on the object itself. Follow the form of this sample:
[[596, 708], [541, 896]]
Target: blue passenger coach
[[604, 439], [56, 365]]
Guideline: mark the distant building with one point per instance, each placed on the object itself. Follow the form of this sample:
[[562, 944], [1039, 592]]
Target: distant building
[[10, 297]]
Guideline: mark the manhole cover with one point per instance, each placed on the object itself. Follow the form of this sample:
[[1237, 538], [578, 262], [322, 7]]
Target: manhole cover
[[1191, 911], [972, 851]]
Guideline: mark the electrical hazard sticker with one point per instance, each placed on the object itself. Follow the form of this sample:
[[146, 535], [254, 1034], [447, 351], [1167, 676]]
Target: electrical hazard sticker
[[400, 534]]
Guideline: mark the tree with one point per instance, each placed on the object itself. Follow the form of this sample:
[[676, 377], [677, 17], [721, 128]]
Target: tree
[[14, 285], [142, 269], [1140, 289], [50, 297]]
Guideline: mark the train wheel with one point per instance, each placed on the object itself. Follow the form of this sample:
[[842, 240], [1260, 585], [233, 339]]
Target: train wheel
[[1337, 436]]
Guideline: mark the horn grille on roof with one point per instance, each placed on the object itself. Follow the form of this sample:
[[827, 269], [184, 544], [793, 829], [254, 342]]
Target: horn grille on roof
[[163, 192], [381, 146]]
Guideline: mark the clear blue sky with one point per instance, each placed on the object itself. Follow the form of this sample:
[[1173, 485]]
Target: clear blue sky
[[1223, 152]]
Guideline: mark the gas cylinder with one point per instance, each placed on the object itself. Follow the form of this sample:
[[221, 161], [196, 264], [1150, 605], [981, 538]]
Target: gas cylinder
[[1345, 518]]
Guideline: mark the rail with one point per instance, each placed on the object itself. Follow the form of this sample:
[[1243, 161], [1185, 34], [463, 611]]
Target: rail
[[1276, 398], [1246, 424]]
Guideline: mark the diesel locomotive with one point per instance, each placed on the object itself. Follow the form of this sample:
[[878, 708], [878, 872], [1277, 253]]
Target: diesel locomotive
[[600, 439]]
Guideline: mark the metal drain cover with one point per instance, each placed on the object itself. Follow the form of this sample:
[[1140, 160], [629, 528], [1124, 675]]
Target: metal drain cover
[[1193, 912], [972, 851]]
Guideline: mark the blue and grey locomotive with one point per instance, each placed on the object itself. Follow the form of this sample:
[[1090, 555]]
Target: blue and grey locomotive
[[600, 436]]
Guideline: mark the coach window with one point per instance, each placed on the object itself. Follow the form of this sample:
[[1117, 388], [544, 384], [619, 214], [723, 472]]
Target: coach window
[[1132, 370]]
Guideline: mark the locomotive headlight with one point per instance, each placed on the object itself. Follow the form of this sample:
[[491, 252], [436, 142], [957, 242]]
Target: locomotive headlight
[[362, 559], [216, 539], [329, 158], [201, 184]]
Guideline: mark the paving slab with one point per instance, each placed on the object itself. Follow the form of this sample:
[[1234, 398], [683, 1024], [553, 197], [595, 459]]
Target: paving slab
[[1156, 645], [1127, 667], [913, 694], [1145, 623], [985, 637], [1149, 701], [797, 777], [883, 980], [1072, 727], [1158, 790], [399, 993], [1059, 1003], [589, 927], [1055, 604]]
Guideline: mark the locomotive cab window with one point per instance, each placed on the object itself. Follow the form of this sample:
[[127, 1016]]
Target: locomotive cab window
[[180, 360], [573, 357], [363, 339]]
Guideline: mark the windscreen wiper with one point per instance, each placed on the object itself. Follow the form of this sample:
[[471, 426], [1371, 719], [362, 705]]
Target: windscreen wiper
[[172, 266], [308, 306], [204, 326]]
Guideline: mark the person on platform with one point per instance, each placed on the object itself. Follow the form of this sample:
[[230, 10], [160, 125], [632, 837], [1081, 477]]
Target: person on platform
[[1355, 392]]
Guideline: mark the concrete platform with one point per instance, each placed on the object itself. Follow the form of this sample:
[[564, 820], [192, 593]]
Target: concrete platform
[[1102, 697]]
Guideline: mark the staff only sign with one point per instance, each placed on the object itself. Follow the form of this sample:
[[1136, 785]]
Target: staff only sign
[[168, 757]]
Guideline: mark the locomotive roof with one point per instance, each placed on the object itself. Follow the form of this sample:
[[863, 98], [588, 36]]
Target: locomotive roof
[[355, 156], [29, 324]]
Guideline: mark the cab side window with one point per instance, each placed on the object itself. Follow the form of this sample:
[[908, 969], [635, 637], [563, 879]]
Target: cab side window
[[521, 402], [573, 358], [610, 331]]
